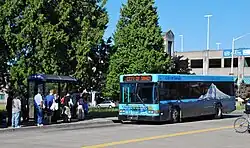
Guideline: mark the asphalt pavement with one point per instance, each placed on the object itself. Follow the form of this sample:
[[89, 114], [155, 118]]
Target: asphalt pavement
[[91, 123], [205, 133]]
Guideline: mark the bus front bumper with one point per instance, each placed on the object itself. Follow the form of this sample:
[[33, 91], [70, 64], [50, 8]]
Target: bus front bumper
[[138, 118]]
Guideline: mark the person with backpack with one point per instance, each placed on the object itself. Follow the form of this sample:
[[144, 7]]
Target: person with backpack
[[67, 105]]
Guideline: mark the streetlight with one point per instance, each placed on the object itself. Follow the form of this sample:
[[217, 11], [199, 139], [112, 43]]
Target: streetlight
[[208, 27], [206, 66], [181, 42], [232, 54], [218, 46]]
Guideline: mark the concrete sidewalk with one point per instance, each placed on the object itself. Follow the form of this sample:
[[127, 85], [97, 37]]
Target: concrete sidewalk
[[92, 123]]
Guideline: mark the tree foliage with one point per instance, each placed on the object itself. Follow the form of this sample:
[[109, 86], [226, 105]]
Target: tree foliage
[[138, 44], [50, 36], [180, 65], [98, 62]]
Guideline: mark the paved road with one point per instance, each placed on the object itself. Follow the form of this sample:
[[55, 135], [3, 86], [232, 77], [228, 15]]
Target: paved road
[[191, 134]]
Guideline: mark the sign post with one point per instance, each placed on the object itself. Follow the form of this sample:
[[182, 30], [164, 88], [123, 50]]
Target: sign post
[[240, 53]]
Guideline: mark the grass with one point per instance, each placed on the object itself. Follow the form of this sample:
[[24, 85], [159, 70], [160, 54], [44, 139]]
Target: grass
[[103, 112], [240, 106], [2, 107]]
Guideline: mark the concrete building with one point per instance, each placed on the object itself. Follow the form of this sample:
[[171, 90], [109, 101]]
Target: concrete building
[[168, 42], [218, 62]]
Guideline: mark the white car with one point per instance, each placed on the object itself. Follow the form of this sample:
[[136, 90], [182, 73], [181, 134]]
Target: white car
[[106, 104]]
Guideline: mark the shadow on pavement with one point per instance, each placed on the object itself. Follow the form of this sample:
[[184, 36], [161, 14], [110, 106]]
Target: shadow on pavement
[[186, 120]]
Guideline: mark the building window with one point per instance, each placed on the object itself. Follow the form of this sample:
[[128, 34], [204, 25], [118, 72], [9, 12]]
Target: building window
[[2, 96], [247, 62], [227, 62], [214, 63], [197, 63]]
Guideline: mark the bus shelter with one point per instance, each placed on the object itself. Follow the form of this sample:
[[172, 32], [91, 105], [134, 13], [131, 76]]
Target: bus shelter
[[45, 82]]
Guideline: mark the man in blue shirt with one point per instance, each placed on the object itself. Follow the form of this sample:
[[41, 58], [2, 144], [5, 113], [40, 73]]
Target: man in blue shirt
[[49, 99]]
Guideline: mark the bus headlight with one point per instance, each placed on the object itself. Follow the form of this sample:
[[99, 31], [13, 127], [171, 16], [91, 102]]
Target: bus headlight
[[121, 111], [150, 111], [153, 111]]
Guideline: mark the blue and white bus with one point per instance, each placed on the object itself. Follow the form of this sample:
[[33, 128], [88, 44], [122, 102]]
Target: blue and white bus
[[172, 97]]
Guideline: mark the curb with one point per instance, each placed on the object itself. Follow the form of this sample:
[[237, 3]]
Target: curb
[[64, 126]]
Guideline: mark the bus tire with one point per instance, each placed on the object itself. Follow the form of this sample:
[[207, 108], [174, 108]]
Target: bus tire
[[218, 111], [175, 115]]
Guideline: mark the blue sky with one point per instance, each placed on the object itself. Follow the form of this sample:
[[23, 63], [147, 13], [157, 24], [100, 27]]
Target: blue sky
[[231, 18]]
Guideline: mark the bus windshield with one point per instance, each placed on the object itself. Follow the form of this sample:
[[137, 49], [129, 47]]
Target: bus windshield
[[144, 93]]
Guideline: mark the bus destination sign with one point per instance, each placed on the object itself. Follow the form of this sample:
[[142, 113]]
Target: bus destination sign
[[137, 78]]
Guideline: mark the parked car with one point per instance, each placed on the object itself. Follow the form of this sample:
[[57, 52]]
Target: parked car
[[106, 104]]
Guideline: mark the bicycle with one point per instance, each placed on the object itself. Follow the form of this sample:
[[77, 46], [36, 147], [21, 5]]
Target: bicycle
[[241, 121]]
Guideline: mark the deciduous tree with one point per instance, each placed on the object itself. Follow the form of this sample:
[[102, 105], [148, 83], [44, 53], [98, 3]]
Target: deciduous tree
[[51, 36]]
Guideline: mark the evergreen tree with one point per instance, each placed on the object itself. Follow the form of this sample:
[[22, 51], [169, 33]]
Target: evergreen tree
[[180, 65], [138, 44]]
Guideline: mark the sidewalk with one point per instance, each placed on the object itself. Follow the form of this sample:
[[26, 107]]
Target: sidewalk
[[91, 123]]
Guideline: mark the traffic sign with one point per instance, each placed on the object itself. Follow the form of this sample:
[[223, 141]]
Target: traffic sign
[[237, 52]]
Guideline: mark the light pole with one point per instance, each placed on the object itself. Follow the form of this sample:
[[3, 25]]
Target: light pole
[[206, 64], [218, 46], [181, 42], [232, 54], [208, 28]]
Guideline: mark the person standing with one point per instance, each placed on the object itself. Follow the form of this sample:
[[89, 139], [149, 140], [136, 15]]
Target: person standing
[[9, 108], [67, 107], [49, 99], [16, 110], [80, 110], [39, 108]]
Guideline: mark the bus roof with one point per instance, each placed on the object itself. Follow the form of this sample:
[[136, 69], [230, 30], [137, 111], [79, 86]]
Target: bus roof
[[183, 77]]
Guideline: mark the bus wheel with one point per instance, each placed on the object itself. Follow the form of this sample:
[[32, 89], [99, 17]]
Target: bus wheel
[[218, 111], [175, 115]]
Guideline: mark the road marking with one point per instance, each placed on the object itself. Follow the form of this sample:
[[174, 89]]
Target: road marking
[[158, 137]]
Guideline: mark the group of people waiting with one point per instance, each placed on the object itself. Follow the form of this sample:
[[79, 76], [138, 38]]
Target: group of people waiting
[[73, 105]]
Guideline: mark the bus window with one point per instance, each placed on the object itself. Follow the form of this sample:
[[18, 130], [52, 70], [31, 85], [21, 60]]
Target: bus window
[[183, 90], [146, 93], [127, 93], [195, 90], [168, 91], [204, 87], [138, 93], [226, 87]]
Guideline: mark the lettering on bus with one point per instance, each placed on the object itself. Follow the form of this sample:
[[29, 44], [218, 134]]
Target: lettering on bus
[[137, 108], [169, 78], [137, 78]]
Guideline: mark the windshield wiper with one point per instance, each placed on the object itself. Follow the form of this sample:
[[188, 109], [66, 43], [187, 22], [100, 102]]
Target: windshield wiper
[[137, 94]]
